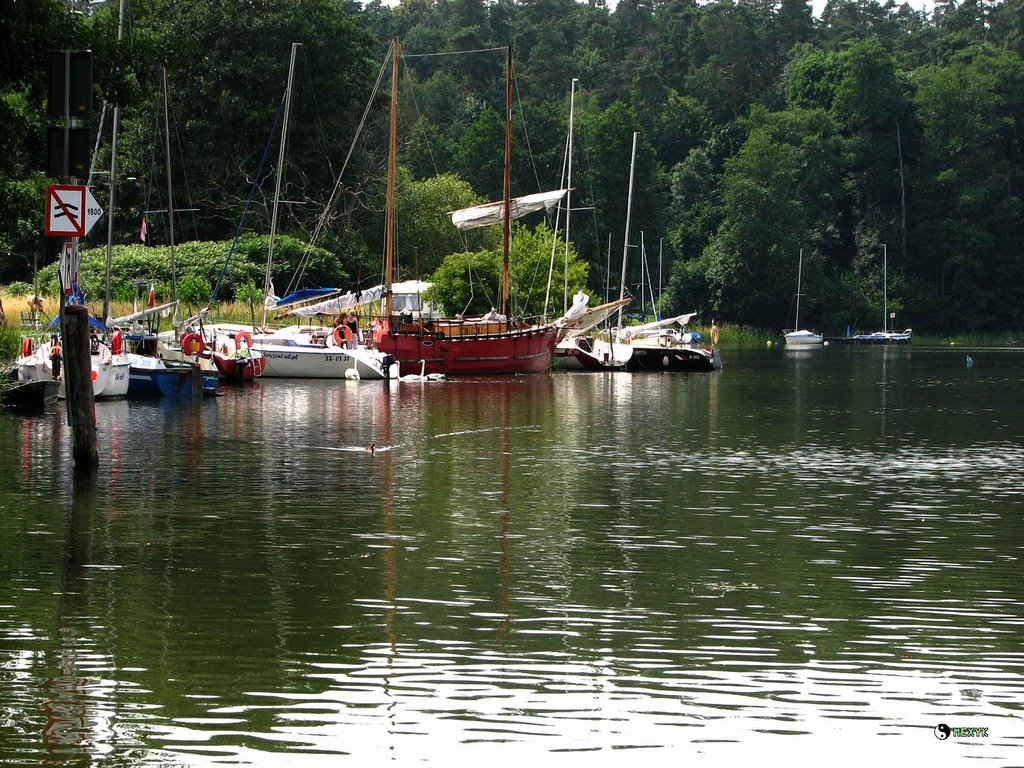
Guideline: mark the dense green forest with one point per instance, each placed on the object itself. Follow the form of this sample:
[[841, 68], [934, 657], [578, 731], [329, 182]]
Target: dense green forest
[[873, 132]]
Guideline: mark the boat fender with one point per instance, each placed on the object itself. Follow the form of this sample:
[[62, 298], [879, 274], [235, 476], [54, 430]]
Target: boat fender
[[714, 334], [192, 344], [243, 336], [116, 343], [26, 346]]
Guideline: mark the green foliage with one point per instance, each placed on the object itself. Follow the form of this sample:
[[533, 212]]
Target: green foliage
[[194, 291], [133, 265], [762, 130], [470, 283]]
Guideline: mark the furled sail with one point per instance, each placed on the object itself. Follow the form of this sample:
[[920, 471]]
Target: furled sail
[[335, 305], [492, 213]]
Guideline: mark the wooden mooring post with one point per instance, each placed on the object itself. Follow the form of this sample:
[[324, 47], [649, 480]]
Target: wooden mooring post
[[78, 386]]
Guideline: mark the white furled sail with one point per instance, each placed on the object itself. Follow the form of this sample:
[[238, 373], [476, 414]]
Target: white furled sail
[[335, 305], [492, 213], [637, 330]]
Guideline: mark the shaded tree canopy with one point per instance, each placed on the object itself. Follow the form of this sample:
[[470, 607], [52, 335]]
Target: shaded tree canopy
[[763, 131]]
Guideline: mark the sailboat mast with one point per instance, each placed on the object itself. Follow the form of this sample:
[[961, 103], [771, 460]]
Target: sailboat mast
[[799, 275], [885, 289], [568, 196], [389, 216], [506, 219], [113, 177], [629, 214], [170, 196], [277, 183]]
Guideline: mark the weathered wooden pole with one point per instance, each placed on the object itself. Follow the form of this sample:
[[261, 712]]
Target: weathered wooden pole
[[78, 386]]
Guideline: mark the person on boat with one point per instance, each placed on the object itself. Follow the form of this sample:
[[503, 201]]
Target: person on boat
[[55, 356], [352, 323]]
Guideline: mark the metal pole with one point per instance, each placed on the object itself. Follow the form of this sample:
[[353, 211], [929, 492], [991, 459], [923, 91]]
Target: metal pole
[[568, 196], [280, 173], [112, 183], [629, 214], [885, 289]]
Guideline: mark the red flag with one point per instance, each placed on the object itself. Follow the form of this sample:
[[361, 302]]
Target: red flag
[[143, 231], [152, 296]]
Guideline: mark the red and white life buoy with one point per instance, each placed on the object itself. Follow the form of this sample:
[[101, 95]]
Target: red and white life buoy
[[116, 342], [192, 344], [243, 336]]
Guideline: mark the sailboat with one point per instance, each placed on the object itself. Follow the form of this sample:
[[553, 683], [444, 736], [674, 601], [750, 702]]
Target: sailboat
[[494, 343], [801, 338], [579, 349], [304, 351], [885, 336]]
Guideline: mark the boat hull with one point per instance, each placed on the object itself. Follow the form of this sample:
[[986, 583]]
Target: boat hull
[[804, 339], [174, 381], [30, 396], [527, 350], [882, 337], [673, 359], [302, 362], [239, 368], [582, 353]]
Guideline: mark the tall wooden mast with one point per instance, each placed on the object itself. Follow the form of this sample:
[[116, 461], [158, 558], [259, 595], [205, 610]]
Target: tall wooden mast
[[389, 216], [506, 218]]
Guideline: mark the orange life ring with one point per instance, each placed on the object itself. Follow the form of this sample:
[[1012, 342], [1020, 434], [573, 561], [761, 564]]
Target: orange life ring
[[26, 346], [243, 336], [116, 343], [192, 344], [342, 335]]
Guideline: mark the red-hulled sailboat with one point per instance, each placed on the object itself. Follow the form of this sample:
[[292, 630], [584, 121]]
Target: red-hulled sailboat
[[493, 344]]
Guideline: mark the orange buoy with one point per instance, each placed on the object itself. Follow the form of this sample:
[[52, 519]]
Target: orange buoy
[[116, 342], [243, 336], [26, 346], [192, 344]]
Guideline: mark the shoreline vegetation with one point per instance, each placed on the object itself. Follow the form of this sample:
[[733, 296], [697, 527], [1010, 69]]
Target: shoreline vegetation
[[731, 336]]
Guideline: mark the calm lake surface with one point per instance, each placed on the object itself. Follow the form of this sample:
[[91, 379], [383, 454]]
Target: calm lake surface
[[806, 556]]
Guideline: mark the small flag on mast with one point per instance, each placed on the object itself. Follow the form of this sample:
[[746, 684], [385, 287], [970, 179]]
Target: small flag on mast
[[152, 296], [144, 231]]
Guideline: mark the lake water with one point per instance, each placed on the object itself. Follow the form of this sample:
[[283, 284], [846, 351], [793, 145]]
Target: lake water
[[805, 557]]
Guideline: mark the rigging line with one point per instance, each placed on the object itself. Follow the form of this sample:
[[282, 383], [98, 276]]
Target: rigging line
[[417, 110], [332, 200], [316, 111], [526, 132], [248, 203], [184, 174], [453, 53]]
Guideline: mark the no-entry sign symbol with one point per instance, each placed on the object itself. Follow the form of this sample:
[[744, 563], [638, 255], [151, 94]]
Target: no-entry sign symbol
[[71, 210]]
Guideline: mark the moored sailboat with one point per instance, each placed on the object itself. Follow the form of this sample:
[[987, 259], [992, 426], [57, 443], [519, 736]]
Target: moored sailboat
[[495, 343], [801, 338]]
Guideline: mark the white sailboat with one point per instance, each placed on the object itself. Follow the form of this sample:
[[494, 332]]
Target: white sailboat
[[885, 336], [801, 338], [305, 351]]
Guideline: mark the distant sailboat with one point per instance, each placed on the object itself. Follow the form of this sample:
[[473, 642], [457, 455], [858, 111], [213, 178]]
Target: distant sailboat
[[801, 338], [885, 336]]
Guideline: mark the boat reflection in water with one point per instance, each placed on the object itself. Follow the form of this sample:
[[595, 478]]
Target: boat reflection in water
[[532, 564]]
